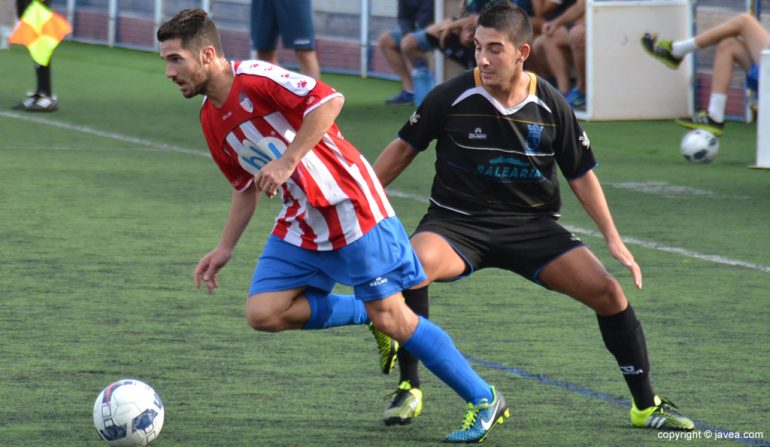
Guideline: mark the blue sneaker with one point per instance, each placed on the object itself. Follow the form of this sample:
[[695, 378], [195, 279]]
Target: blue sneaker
[[403, 97], [575, 99], [480, 419]]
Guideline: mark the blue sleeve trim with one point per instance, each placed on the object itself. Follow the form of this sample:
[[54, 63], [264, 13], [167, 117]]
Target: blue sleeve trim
[[582, 173], [416, 149]]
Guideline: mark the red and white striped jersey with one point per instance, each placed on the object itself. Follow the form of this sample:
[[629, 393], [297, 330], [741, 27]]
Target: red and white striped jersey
[[333, 197]]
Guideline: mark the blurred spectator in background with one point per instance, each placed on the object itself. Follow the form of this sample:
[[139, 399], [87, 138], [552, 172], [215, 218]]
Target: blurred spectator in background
[[413, 15], [740, 40], [453, 36], [560, 52], [293, 21], [42, 99]]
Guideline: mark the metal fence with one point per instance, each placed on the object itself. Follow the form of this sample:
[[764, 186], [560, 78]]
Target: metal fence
[[346, 31]]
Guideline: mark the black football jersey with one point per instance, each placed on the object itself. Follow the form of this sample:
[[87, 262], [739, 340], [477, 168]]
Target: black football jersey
[[497, 161]]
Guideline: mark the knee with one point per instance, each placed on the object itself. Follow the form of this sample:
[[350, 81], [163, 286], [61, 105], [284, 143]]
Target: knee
[[410, 48], [577, 38], [386, 41], [260, 318], [610, 298], [392, 317], [408, 43], [383, 322], [744, 20], [537, 44], [728, 46]]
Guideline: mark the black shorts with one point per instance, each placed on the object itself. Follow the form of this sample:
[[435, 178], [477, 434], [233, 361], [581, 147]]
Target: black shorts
[[519, 245]]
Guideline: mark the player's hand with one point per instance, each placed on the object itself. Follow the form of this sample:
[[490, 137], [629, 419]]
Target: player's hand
[[619, 251], [273, 175], [444, 32], [548, 28], [208, 266], [468, 32]]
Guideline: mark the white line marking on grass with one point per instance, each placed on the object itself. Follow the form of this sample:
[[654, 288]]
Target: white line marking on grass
[[632, 241], [395, 193], [103, 134], [667, 190]]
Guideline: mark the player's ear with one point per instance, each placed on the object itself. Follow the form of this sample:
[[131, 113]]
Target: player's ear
[[208, 54], [524, 50]]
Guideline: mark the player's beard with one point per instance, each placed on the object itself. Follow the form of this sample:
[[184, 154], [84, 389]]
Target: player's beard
[[196, 89], [198, 84]]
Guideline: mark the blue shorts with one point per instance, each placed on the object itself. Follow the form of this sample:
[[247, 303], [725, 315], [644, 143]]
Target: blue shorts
[[752, 77], [377, 265], [419, 35], [291, 19]]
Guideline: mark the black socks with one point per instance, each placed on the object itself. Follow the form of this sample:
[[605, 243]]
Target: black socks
[[623, 336], [417, 300]]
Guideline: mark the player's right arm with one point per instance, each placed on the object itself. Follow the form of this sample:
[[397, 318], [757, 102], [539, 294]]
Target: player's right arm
[[243, 204], [393, 160]]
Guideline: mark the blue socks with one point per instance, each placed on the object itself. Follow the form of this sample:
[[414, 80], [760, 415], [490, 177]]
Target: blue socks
[[438, 353], [331, 310]]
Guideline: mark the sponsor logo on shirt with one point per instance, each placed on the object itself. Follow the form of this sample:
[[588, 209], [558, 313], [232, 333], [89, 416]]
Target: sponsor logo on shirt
[[252, 156], [414, 118], [509, 169], [477, 134]]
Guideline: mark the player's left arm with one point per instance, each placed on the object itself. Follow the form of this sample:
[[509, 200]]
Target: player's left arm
[[315, 124], [589, 192]]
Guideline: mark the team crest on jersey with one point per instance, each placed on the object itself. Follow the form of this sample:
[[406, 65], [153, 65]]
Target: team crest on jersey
[[534, 133], [414, 118], [246, 103]]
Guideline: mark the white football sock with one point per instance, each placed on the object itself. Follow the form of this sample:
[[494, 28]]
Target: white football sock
[[680, 48], [717, 104]]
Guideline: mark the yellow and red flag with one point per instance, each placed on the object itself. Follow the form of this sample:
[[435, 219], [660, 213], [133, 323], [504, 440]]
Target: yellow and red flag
[[40, 30]]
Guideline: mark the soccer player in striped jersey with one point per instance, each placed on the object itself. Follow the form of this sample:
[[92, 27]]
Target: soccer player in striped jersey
[[273, 132], [501, 133]]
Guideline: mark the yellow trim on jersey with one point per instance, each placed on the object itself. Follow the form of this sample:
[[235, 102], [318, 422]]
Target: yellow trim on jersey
[[532, 83]]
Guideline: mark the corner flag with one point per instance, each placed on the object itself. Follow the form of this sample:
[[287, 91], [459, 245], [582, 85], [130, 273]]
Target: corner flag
[[40, 30]]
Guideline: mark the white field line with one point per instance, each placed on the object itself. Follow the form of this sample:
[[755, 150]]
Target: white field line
[[100, 133], [395, 193]]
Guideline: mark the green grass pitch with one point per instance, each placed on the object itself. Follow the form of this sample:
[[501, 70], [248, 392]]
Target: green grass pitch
[[107, 204]]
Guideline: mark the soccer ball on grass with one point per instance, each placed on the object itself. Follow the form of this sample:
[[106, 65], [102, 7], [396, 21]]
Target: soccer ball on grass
[[700, 146], [128, 413]]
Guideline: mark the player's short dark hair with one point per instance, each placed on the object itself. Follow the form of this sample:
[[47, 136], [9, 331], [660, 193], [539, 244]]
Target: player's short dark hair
[[194, 27], [509, 18]]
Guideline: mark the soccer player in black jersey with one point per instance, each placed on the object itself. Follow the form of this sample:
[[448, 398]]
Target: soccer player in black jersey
[[501, 133]]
